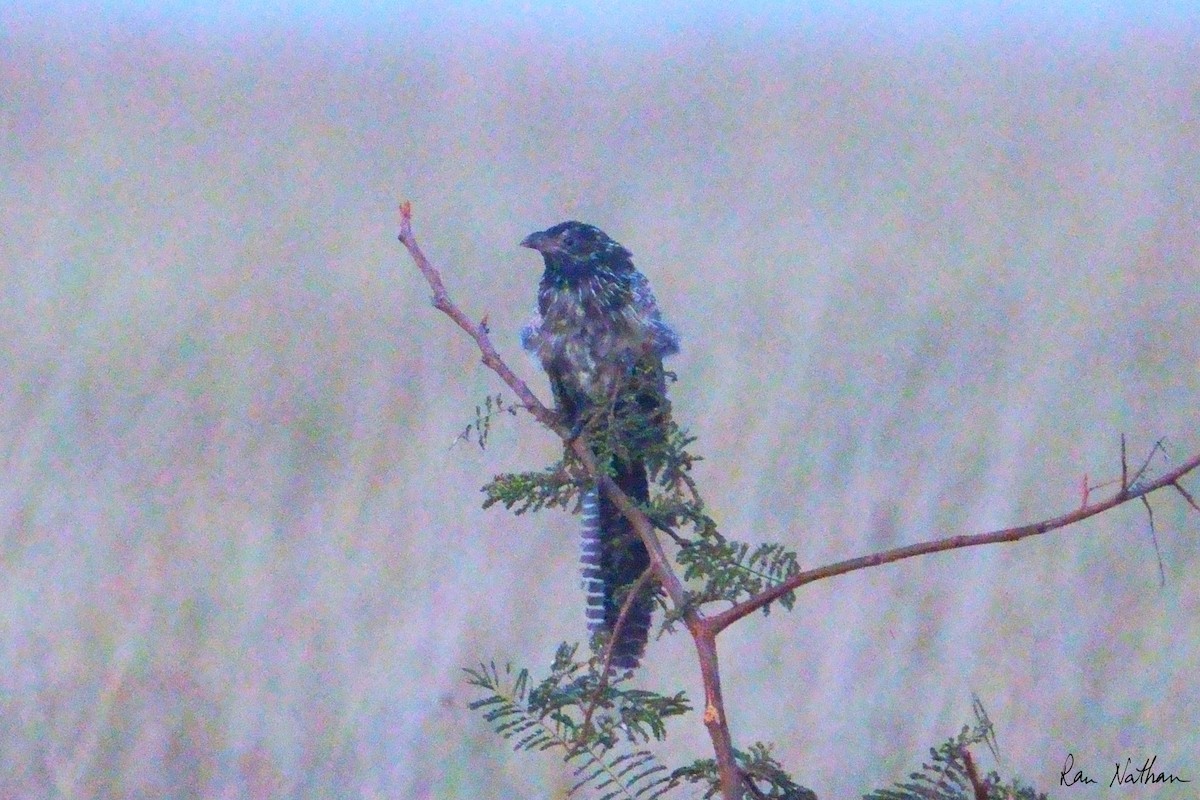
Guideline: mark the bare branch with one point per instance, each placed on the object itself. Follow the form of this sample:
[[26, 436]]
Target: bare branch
[[479, 332], [1124, 467], [1157, 448], [726, 618], [1162, 576], [1190, 500]]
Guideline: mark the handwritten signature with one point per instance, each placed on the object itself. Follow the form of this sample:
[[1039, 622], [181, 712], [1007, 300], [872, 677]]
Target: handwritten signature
[[1123, 775]]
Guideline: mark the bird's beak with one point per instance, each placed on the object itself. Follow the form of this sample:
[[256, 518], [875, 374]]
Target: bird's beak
[[538, 241]]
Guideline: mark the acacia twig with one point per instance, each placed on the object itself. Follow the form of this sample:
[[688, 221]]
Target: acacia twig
[[1124, 467], [1190, 500], [1158, 447], [1138, 491], [477, 331], [1162, 575]]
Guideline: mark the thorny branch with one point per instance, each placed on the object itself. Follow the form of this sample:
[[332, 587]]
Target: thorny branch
[[477, 331], [704, 629], [728, 617]]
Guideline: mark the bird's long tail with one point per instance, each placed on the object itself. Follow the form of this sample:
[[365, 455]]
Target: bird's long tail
[[614, 556]]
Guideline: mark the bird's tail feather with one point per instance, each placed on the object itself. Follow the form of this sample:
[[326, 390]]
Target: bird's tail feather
[[592, 559], [613, 557]]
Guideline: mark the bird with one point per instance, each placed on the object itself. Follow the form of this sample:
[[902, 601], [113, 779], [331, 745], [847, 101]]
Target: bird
[[600, 336]]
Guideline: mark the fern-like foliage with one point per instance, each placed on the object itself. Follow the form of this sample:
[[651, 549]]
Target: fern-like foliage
[[732, 571], [762, 776], [493, 405], [598, 725], [945, 776], [532, 491]]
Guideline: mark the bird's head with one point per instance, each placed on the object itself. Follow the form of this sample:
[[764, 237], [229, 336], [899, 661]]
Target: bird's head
[[577, 250]]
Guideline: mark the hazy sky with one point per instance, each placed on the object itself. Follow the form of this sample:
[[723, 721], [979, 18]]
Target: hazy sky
[[624, 22]]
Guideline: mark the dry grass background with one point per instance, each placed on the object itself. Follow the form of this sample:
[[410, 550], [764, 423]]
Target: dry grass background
[[924, 281]]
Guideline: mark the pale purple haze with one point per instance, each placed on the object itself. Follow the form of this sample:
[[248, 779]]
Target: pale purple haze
[[926, 270]]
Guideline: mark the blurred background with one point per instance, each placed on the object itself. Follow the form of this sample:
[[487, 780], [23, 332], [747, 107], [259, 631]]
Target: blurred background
[[928, 263]]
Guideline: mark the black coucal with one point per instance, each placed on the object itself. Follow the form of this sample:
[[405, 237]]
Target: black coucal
[[601, 339]]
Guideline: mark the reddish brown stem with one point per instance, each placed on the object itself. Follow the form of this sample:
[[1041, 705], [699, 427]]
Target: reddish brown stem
[[477, 331], [978, 785], [732, 615]]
